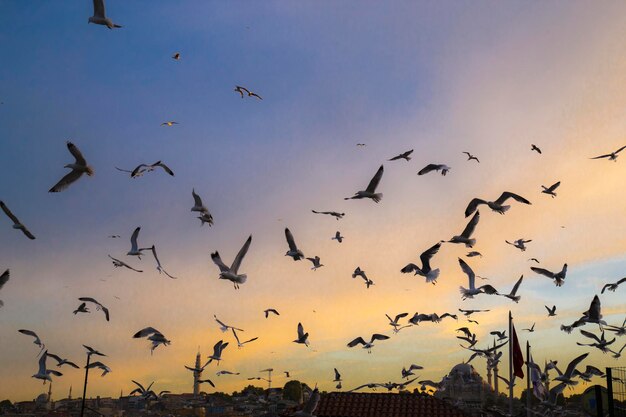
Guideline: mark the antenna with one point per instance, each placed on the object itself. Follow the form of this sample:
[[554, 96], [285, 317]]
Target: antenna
[[269, 376]]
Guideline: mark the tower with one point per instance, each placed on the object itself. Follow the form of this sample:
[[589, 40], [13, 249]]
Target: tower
[[69, 395], [197, 374]]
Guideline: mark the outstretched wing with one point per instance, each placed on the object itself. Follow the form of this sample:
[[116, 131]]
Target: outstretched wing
[[196, 198], [554, 186], [358, 341], [473, 205], [66, 181], [98, 8], [469, 229], [590, 335], [215, 256], [4, 278], [428, 168], [506, 195], [290, 241], [80, 160], [428, 254], [516, 286], [371, 187], [573, 364], [543, 272], [145, 332], [377, 336], [8, 213], [469, 272], [242, 252]]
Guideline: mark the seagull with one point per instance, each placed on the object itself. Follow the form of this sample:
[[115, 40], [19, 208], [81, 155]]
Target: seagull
[[225, 327], [337, 237], [568, 328], [519, 244], [559, 277], [218, 348], [361, 145], [337, 378], [406, 373], [618, 354], [270, 310], [202, 381], [37, 341], [532, 328], [62, 362], [114, 236], [146, 393], [534, 260], [43, 373], [470, 312], [612, 287], [159, 267], [117, 263], [435, 167], [293, 251], [470, 157], [331, 213], [105, 369], [176, 56], [472, 254], [79, 167], [594, 314], [497, 206], [426, 271], [358, 272], [550, 190], [612, 156], [512, 295], [16, 223], [134, 248], [286, 374], [566, 377], [99, 16], [501, 335], [153, 335], [602, 344], [303, 338], [4, 278], [367, 345], [199, 207], [551, 311], [82, 309], [394, 322], [535, 148], [141, 168], [92, 351], [404, 155], [241, 90], [467, 233], [618, 330], [241, 344], [231, 273], [219, 373], [316, 263], [590, 372], [370, 191], [472, 290], [169, 123], [98, 305]]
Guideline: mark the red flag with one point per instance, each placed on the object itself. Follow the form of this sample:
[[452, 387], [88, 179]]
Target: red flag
[[518, 357]]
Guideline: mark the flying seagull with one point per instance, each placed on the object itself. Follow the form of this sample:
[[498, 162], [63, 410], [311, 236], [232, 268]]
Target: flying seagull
[[535, 148], [98, 305], [252, 94], [270, 310], [241, 90], [176, 56], [141, 168], [200, 208], [239, 343], [134, 247], [16, 222], [519, 244], [472, 290], [99, 16], [337, 237], [169, 123], [361, 145], [231, 273], [220, 373], [404, 155], [43, 373], [117, 263], [470, 312], [394, 322], [501, 335], [330, 213], [534, 260], [92, 351], [426, 271], [367, 345], [470, 157], [37, 340], [513, 294], [358, 272], [551, 311], [159, 267], [612, 287], [105, 369], [435, 167], [82, 308], [61, 362], [218, 348], [316, 263], [497, 206], [594, 314], [612, 156], [532, 328], [558, 277], [601, 343], [465, 236], [154, 336], [567, 377], [303, 338], [473, 254], [550, 190], [4, 278], [79, 167], [406, 373], [370, 191], [337, 378], [225, 327], [293, 251]]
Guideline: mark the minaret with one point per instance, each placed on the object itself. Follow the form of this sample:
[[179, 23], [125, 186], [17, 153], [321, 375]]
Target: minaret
[[50, 392], [197, 374], [69, 396]]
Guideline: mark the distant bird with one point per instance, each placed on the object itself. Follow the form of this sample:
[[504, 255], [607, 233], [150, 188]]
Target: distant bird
[[535, 148], [218, 348], [99, 15], [43, 373], [146, 393], [141, 168], [406, 373], [618, 354], [337, 379], [303, 338], [567, 377], [358, 272], [472, 321], [361, 145], [534, 260], [286, 374], [425, 271], [61, 362], [330, 213], [159, 267], [4, 278], [241, 90], [270, 310], [472, 290], [239, 343], [513, 294], [600, 342], [98, 305], [134, 247], [465, 236], [37, 340], [316, 263], [501, 335], [594, 313], [519, 243], [470, 312], [473, 254], [394, 322], [169, 123], [612, 156], [16, 222], [293, 251], [200, 208], [404, 155], [337, 237], [558, 277], [232, 273], [92, 351], [470, 157], [219, 373], [612, 287], [81, 309], [252, 94], [435, 167], [154, 336], [176, 56], [367, 345], [550, 190], [497, 206], [202, 381], [225, 327], [370, 191], [532, 328], [618, 330], [114, 236], [79, 167], [117, 263], [551, 311], [105, 369]]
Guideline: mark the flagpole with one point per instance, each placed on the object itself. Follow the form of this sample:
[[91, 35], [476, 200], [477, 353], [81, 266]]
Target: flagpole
[[511, 376], [528, 379]]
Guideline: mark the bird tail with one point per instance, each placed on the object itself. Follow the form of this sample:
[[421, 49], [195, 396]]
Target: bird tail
[[470, 243], [242, 278], [432, 275], [505, 209], [377, 197], [89, 171], [465, 292]]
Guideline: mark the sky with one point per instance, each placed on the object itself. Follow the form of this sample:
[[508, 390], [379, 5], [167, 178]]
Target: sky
[[438, 77]]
